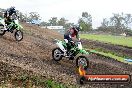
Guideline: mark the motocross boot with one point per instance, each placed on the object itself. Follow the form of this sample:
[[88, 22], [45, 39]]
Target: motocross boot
[[10, 28], [71, 55]]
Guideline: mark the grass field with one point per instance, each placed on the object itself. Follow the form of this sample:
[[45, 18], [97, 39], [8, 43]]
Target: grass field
[[118, 40], [109, 54]]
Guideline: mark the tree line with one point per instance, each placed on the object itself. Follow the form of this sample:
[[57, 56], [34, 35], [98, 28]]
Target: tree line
[[85, 21], [117, 23]]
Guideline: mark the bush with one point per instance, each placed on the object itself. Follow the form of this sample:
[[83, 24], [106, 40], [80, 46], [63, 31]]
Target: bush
[[128, 32]]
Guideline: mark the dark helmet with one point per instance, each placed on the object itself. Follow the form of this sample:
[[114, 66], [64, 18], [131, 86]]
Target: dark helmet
[[12, 8], [78, 28]]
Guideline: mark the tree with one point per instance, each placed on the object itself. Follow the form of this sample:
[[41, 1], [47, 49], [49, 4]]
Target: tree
[[87, 18], [68, 25], [53, 21], [23, 17], [62, 22], [85, 21], [105, 23], [118, 23], [34, 16], [44, 23], [127, 20]]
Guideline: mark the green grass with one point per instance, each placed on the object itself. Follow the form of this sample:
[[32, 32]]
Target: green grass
[[118, 40], [99, 49], [118, 58], [30, 81]]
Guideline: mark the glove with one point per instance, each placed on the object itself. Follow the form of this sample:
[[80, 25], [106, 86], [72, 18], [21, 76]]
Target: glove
[[79, 39], [72, 42]]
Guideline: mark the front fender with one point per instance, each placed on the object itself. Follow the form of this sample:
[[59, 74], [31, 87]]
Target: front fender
[[19, 27]]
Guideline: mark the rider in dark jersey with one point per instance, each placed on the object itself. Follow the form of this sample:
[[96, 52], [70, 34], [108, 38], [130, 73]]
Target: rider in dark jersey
[[72, 32], [8, 13]]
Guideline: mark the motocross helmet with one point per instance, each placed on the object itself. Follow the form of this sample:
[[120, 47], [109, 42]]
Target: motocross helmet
[[78, 28], [12, 9]]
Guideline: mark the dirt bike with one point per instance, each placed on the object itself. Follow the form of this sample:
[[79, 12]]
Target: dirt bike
[[59, 51], [13, 26]]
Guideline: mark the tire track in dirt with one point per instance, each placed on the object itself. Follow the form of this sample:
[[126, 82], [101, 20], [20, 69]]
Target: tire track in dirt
[[35, 57]]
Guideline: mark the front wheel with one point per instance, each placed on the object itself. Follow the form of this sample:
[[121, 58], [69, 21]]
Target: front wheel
[[57, 54], [82, 80], [18, 35], [82, 61]]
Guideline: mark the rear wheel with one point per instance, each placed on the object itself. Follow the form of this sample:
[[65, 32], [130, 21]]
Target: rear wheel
[[18, 35], [2, 32], [82, 80], [82, 61], [57, 54]]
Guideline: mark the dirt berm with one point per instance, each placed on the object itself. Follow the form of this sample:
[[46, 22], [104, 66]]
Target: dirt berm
[[33, 53]]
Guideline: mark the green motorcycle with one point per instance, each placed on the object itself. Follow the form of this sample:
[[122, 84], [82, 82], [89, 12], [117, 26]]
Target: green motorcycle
[[13, 26], [59, 52]]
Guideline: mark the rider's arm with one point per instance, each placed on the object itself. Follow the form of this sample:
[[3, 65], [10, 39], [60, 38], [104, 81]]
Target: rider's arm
[[15, 13], [70, 38], [6, 14], [77, 36]]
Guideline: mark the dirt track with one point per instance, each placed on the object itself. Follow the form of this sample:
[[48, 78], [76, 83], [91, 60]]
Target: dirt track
[[34, 54], [118, 49]]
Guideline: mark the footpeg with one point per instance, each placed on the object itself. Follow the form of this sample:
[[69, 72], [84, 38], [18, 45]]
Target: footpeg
[[67, 56]]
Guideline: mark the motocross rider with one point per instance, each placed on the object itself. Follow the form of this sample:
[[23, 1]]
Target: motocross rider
[[8, 16], [72, 32]]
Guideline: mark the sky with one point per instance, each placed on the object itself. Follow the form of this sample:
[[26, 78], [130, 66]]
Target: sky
[[71, 9]]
